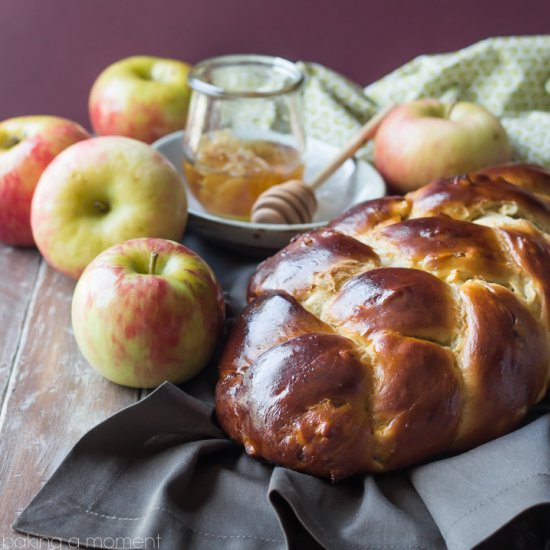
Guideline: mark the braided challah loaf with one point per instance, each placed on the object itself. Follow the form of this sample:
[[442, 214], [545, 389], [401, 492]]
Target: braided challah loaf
[[409, 327]]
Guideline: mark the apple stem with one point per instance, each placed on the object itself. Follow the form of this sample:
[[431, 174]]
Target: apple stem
[[100, 206], [12, 142], [153, 262], [450, 107]]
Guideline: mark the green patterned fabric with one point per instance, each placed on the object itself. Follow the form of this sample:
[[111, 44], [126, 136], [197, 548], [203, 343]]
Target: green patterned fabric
[[510, 76]]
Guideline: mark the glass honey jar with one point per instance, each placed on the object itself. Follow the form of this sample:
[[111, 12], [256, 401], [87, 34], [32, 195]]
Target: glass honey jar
[[244, 131]]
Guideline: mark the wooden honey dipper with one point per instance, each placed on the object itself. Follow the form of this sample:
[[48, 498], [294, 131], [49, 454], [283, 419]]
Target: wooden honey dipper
[[294, 201]]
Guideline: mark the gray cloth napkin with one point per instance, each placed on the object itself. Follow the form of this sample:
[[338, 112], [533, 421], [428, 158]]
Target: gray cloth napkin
[[160, 474]]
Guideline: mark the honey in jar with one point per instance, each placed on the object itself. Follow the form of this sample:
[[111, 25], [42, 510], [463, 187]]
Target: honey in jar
[[228, 174]]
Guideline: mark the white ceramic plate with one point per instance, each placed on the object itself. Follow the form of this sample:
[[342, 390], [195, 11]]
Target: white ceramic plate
[[354, 182]]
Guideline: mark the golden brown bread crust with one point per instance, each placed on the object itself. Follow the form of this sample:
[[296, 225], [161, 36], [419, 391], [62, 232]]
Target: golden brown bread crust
[[409, 327]]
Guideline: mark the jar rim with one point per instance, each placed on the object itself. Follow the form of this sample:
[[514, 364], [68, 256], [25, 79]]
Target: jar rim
[[198, 83]]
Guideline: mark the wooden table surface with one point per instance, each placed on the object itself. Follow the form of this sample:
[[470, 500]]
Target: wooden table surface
[[50, 396]]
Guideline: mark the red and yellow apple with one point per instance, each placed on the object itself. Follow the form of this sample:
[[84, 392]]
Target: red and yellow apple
[[141, 97], [27, 145], [100, 192], [426, 139], [147, 310]]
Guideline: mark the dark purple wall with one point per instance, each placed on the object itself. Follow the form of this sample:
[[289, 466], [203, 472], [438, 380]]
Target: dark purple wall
[[52, 50]]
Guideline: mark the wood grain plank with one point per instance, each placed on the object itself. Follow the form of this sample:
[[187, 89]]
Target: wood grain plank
[[18, 272], [53, 397]]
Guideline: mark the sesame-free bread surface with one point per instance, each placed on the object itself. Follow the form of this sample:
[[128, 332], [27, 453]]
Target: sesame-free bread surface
[[408, 327]]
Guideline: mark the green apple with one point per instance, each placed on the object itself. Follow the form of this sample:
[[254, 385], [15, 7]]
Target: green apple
[[424, 140], [147, 310], [27, 145], [141, 97], [100, 192]]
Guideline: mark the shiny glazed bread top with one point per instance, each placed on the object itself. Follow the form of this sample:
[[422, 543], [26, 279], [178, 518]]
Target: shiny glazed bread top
[[409, 327]]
